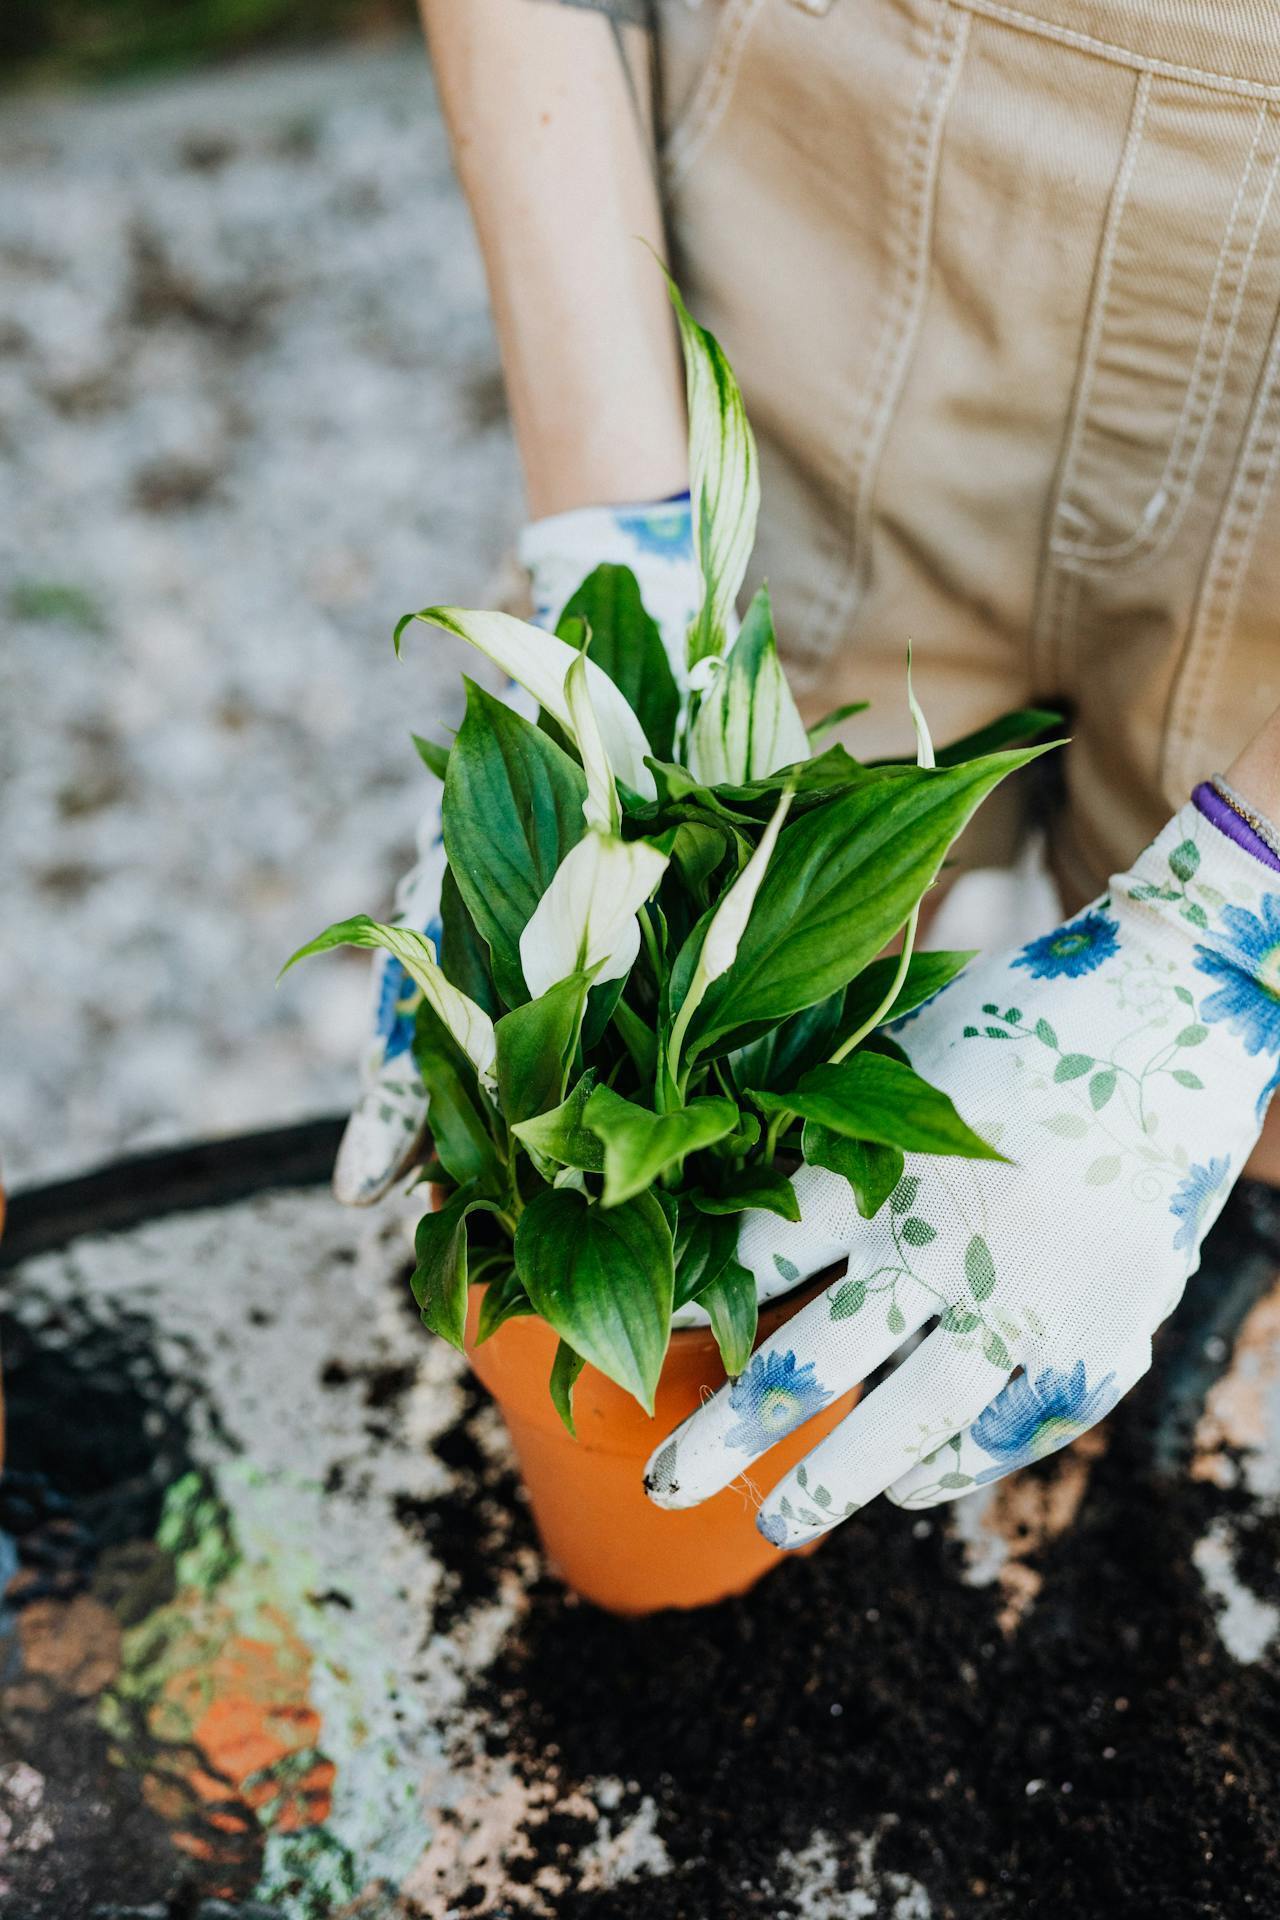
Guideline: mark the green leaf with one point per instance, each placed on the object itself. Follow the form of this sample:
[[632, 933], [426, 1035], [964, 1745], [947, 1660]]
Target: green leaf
[[1046, 1033], [842, 882], [730, 1301], [640, 1040], [979, 1268], [870, 1097], [1072, 1065], [1101, 1088], [918, 1233], [995, 1349], [1188, 999], [787, 1268], [433, 756], [512, 811], [927, 974], [504, 1299], [1186, 1079], [872, 1171], [836, 718], [640, 1145], [1193, 1036], [778, 1058], [439, 1278], [602, 1004], [955, 1481], [847, 1299], [1068, 1126], [895, 1320], [1101, 1172], [703, 1243], [535, 1049], [1010, 730], [904, 1194], [464, 957], [560, 1134], [565, 1369], [1196, 915], [603, 1279], [748, 724], [1185, 860], [760, 1187], [458, 1113], [959, 1320], [724, 480], [816, 781], [627, 644], [697, 850]]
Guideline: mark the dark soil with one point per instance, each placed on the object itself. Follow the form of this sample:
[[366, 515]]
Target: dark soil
[[1109, 1758]]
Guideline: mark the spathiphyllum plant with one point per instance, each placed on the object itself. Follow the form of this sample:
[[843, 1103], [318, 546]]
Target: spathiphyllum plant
[[662, 981]]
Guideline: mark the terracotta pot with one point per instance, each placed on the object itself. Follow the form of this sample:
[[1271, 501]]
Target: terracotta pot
[[605, 1538]]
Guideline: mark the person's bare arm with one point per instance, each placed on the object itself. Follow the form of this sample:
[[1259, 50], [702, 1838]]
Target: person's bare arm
[[548, 107]]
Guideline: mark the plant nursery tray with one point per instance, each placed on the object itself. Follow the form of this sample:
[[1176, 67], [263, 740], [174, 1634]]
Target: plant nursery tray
[[278, 1642]]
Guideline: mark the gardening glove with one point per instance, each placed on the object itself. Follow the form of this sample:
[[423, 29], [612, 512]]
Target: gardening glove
[[384, 1134], [1123, 1065]]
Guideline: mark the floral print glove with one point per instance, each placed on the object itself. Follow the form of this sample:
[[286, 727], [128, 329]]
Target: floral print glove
[[385, 1131], [1123, 1065]]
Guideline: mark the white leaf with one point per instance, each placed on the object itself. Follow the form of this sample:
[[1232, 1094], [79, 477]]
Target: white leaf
[[748, 724], [601, 804], [540, 663], [469, 1024], [720, 947], [586, 921], [721, 940], [724, 480], [924, 741]]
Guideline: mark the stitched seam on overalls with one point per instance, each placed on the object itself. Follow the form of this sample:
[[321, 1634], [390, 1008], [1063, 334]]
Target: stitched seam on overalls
[[1050, 624], [713, 92], [877, 398], [1123, 56], [1203, 397], [1219, 597]]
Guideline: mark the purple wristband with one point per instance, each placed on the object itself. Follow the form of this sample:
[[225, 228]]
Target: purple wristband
[[1228, 821]]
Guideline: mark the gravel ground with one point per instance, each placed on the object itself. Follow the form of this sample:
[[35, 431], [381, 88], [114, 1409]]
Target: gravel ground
[[250, 412]]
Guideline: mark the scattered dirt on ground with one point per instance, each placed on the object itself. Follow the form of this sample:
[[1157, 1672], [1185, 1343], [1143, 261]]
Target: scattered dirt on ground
[[1106, 1756]]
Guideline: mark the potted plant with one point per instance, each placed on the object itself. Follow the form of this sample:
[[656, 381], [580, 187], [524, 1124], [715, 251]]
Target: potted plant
[[662, 983]]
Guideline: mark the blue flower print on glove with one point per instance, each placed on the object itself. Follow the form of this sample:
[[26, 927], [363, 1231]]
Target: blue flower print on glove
[[1078, 948], [1031, 1418], [772, 1397], [1192, 1197]]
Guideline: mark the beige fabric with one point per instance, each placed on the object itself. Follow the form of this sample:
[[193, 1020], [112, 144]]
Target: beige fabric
[[1002, 286]]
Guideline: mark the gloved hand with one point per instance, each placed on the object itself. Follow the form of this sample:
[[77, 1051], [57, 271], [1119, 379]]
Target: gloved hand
[[385, 1131], [1123, 1064]]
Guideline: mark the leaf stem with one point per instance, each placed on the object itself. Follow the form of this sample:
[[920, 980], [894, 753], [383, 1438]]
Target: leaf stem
[[651, 947], [873, 1020], [777, 1127]]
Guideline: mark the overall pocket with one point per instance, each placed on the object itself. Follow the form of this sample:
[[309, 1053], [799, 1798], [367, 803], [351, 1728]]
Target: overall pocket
[[1185, 290]]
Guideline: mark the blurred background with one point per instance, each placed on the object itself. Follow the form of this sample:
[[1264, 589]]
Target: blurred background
[[250, 412]]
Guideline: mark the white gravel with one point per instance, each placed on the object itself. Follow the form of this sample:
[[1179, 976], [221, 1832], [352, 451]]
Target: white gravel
[[249, 413]]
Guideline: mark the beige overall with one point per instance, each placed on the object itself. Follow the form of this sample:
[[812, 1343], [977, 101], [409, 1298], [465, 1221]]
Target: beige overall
[[1002, 285]]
